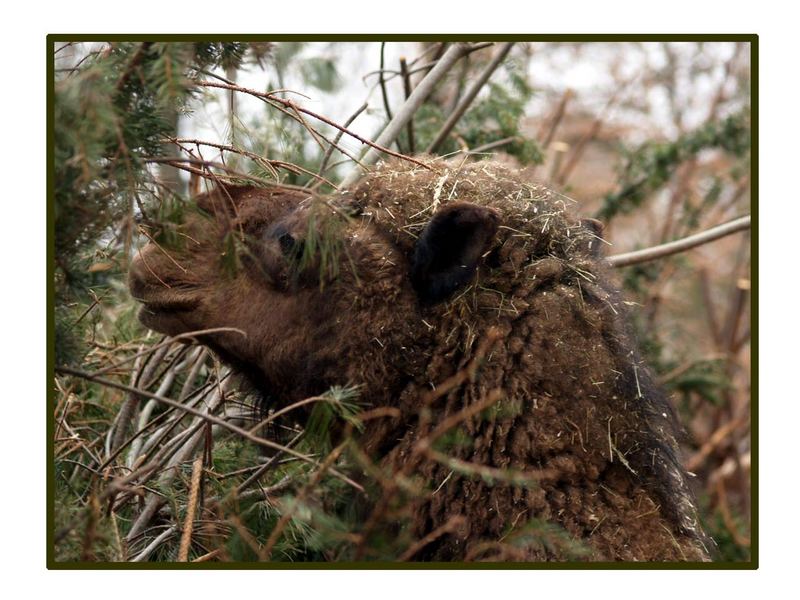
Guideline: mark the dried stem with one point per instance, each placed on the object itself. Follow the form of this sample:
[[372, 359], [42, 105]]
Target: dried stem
[[188, 523], [717, 438]]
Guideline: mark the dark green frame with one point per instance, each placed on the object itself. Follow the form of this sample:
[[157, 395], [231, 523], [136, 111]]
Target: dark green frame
[[752, 39]]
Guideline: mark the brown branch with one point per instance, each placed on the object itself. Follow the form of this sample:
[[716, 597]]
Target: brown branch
[[546, 135], [711, 314], [527, 478], [132, 65], [423, 445], [407, 91], [382, 83], [450, 526], [329, 152], [144, 232], [469, 372], [270, 163], [719, 436], [205, 417], [167, 342], [177, 162], [406, 112], [676, 246], [727, 518], [578, 150], [327, 121], [469, 96]]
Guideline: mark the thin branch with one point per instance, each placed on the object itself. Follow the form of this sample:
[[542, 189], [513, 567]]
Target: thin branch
[[382, 82], [167, 342], [132, 65], [407, 91], [714, 441], [674, 247], [548, 128], [403, 116], [206, 417], [337, 139], [448, 527], [271, 164], [522, 478], [177, 162], [376, 146], [165, 535], [469, 96]]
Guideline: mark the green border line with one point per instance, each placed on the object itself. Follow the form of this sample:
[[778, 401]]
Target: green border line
[[754, 531], [50, 286], [752, 39]]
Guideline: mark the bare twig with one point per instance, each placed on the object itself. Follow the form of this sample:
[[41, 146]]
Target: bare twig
[[181, 162], [206, 417], [163, 537], [167, 342], [376, 146], [469, 96], [450, 526], [711, 314], [548, 129], [382, 82], [674, 247], [407, 91], [527, 478], [404, 114], [271, 164], [329, 152], [719, 436]]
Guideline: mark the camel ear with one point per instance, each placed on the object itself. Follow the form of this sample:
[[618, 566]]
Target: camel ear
[[447, 253]]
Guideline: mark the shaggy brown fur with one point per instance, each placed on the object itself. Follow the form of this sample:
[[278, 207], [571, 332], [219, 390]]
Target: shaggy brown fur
[[436, 272]]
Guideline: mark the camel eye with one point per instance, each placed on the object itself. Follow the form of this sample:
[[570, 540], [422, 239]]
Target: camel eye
[[291, 248], [287, 243]]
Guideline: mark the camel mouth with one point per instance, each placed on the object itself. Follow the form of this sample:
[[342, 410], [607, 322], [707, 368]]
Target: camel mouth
[[170, 318], [170, 305], [164, 295]]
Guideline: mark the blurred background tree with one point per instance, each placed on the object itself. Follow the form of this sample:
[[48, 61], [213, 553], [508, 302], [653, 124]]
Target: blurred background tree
[[652, 138]]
